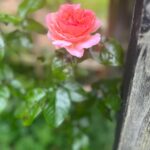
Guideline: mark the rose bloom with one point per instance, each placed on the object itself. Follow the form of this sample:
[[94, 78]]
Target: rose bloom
[[71, 28]]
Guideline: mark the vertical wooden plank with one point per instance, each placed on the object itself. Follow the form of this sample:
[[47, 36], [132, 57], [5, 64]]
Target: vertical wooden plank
[[134, 123]]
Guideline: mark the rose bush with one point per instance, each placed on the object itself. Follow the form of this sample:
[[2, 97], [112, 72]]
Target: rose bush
[[71, 28], [37, 87]]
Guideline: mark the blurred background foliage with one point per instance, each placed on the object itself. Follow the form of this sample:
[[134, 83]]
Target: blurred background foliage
[[50, 101]]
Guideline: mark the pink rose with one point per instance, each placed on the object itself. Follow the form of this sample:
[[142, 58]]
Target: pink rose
[[71, 28]]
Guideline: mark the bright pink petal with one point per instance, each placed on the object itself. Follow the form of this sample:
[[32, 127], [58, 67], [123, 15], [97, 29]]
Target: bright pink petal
[[75, 51], [93, 40], [97, 25], [61, 43]]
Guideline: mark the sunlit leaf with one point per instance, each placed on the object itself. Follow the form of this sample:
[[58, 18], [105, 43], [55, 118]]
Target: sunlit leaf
[[35, 95], [62, 106], [31, 113], [57, 108]]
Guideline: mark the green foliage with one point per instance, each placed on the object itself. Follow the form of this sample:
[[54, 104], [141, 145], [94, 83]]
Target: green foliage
[[44, 101], [29, 6], [34, 26], [112, 53], [2, 49], [57, 107], [5, 18]]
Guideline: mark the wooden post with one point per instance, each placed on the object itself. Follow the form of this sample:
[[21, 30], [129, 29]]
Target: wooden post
[[133, 131]]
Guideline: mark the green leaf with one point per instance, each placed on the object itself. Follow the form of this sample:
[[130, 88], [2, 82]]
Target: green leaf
[[28, 6], [49, 109], [2, 45], [4, 95], [32, 25], [3, 104], [4, 92], [104, 110], [63, 105], [18, 41], [57, 108], [33, 106], [61, 70], [6, 72], [5, 18], [31, 113], [111, 54], [35, 95], [108, 94], [76, 92]]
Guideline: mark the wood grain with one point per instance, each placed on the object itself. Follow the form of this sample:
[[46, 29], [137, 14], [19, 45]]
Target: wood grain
[[134, 123]]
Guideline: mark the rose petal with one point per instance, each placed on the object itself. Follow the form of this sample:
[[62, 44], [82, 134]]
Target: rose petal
[[75, 51], [61, 43], [97, 25], [50, 18], [71, 27], [93, 40]]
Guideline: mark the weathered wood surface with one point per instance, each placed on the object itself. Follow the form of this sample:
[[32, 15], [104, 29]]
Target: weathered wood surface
[[133, 131]]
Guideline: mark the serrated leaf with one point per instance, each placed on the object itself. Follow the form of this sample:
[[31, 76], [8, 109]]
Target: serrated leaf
[[28, 6], [49, 109], [32, 107], [57, 109], [111, 54], [6, 18], [32, 25], [63, 105], [31, 114]]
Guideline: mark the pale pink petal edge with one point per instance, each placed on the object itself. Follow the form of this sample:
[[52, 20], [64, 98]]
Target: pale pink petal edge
[[61, 43], [97, 25], [74, 51], [93, 40]]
